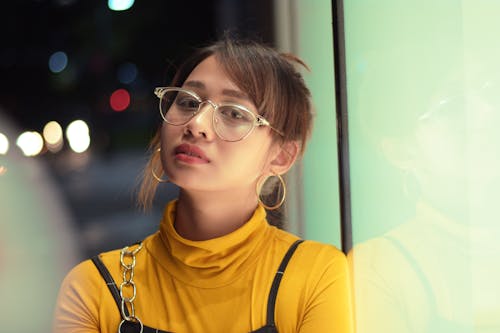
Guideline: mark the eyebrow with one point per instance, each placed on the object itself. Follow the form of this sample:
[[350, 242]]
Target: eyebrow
[[226, 92]]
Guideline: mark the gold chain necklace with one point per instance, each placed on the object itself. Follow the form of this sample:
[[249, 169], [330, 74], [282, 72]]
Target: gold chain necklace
[[127, 261]]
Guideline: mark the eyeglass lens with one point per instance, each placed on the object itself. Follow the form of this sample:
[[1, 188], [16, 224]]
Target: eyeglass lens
[[231, 122]]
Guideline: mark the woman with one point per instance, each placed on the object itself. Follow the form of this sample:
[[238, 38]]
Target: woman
[[236, 114]]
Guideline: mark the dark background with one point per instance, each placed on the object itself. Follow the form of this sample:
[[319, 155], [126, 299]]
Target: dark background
[[154, 35]]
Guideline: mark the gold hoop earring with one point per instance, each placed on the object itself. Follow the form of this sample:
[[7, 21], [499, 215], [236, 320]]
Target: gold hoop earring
[[280, 201], [155, 176]]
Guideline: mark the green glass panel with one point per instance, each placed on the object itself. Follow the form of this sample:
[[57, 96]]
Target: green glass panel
[[424, 112]]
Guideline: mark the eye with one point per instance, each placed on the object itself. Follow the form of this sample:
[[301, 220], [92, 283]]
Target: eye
[[187, 102], [234, 114]]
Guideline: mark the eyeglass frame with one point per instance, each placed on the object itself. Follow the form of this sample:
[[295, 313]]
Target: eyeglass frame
[[258, 119]]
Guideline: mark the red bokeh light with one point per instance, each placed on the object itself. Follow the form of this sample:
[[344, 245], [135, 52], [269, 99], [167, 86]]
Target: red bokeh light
[[119, 100]]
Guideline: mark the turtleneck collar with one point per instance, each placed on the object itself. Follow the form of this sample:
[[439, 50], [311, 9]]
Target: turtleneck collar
[[214, 262]]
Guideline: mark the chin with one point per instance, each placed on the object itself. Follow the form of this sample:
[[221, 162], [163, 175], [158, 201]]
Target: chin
[[190, 183]]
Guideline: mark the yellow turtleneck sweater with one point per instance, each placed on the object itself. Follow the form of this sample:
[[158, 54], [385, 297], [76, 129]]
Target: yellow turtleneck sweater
[[217, 285]]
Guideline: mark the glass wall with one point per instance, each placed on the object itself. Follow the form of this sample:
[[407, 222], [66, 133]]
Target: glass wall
[[423, 83]]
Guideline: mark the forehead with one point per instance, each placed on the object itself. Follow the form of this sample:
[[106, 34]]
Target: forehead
[[210, 78], [210, 73]]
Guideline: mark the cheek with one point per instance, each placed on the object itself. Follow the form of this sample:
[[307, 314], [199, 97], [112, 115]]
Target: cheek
[[253, 156], [164, 132], [168, 134]]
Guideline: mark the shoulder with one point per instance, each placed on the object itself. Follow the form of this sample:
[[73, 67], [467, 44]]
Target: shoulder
[[84, 279], [321, 250], [112, 259], [310, 252], [83, 275], [84, 294], [85, 282], [79, 298], [321, 260], [316, 286], [312, 260]]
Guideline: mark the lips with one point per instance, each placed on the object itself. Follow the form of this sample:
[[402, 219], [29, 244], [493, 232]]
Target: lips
[[190, 153]]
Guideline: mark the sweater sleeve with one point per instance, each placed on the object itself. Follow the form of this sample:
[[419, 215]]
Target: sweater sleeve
[[328, 307], [77, 304]]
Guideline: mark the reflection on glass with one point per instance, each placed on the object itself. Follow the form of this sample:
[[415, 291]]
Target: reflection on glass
[[425, 114]]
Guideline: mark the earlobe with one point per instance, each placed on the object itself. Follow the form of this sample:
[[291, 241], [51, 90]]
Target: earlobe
[[285, 157]]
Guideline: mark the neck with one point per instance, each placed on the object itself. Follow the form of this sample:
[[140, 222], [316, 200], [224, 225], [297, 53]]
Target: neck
[[206, 215]]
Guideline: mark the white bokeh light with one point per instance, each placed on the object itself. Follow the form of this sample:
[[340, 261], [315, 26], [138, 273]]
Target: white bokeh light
[[4, 144], [53, 135], [31, 143], [78, 136]]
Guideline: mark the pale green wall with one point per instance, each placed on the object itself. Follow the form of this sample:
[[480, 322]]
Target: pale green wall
[[314, 44]]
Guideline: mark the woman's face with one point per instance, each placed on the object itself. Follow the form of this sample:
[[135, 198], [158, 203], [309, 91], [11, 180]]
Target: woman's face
[[195, 158]]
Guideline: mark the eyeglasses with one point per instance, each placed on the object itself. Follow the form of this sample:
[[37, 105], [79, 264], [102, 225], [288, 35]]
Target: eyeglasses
[[231, 122]]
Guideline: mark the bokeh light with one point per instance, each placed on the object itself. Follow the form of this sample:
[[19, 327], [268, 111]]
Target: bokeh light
[[127, 73], [31, 143], [4, 144], [58, 62], [120, 4], [78, 136], [53, 135], [119, 100], [3, 170]]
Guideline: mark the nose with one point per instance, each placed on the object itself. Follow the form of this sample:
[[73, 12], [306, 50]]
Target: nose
[[201, 124]]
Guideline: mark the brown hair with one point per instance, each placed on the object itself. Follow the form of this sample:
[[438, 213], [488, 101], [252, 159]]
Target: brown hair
[[269, 78]]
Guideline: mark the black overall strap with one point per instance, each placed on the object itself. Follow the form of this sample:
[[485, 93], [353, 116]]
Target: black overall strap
[[110, 283], [271, 302], [128, 327]]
